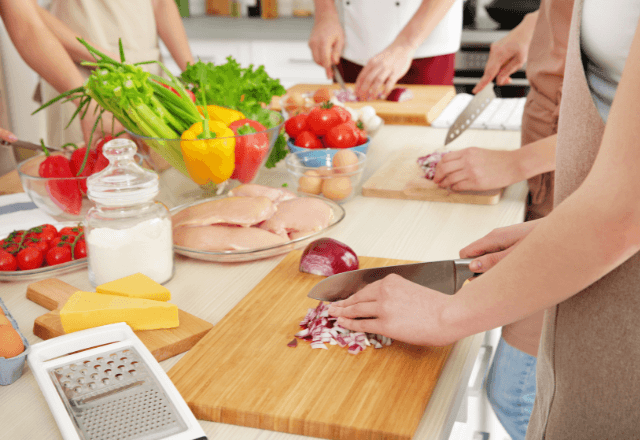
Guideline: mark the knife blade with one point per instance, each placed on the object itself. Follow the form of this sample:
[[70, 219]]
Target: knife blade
[[444, 276], [475, 107], [338, 77], [23, 150]]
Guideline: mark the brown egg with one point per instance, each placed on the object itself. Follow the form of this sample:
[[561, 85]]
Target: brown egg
[[4, 320], [322, 95], [10, 342], [337, 188], [324, 171], [310, 183], [346, 161]]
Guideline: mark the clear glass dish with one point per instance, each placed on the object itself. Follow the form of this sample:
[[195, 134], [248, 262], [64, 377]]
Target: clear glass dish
[[234, 256], [46, 271]]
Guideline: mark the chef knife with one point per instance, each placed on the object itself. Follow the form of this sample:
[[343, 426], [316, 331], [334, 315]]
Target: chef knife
[[23, 150], [444, 276], [476, 106], [338, 77]]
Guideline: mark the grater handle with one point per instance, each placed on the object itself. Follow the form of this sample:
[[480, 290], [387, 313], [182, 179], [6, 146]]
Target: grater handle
[[72, 342]]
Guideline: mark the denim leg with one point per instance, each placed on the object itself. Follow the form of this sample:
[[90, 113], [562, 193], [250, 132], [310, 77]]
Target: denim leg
[[511, 388]]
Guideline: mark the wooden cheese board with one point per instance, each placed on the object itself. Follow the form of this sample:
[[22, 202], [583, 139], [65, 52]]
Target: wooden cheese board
[[402, 178], [243, 372], [52, 294], [427, 103]]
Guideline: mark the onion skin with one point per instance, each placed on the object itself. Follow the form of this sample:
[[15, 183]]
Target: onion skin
[[326, 257]]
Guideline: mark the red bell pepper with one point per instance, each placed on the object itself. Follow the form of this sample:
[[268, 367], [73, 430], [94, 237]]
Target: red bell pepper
[[251, 150], [189, 92], [77, 158], [101, 160], [64, 193]]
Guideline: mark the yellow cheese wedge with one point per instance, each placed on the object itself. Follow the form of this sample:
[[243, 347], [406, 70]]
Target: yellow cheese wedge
[[88, 309], [136, 286]]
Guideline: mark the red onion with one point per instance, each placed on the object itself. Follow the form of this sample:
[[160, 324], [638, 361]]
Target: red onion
[[400, 94], [327, 257], [320, 328], [347, 95], [428, 163]]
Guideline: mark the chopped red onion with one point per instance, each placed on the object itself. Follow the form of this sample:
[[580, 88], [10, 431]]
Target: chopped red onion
[[346, 95], [293, 343], [319, 328], [400, 94], [428, 163]]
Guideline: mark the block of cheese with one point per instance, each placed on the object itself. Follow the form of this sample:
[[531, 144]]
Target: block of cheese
[[136, 286], [89, 309]]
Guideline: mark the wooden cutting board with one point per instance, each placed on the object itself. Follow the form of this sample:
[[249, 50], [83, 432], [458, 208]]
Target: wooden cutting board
[[53, 293], [243, 372], [426, 105], [402, 178]]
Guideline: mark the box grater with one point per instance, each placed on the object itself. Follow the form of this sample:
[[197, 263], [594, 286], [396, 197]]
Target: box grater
[[104, 384]]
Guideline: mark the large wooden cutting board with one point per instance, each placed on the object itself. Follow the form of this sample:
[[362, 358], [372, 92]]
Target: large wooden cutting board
[[426, 105], [243, 372], [402, 178], [53, 293]]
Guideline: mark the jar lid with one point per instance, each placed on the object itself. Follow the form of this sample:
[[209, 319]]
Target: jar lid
[[123, 182]]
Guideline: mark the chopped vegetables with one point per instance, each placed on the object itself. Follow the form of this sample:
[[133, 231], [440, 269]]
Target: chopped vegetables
[[319, 328], [326, 256], [400, 94], [428, 163]]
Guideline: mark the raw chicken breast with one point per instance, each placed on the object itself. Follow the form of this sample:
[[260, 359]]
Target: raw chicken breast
[[300, 214], [224, 238], [241, 211], [276, 195]]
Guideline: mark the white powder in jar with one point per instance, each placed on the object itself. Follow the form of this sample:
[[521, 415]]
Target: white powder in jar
[[116, 253]]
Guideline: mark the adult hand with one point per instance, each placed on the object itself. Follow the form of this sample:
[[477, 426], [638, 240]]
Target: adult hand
[[397, 308], [477, 169], [493, 247], [382, 72], [326, 42], [7, 136]]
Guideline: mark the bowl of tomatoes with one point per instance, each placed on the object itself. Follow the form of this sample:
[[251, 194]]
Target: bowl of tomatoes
[[42, 250], [327, 126]]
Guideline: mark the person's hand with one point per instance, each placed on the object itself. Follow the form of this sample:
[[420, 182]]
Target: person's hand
[[506, 56], [477, 169], [396, 308], [7, 136], [497, 244], [326, 42], [382, 72]]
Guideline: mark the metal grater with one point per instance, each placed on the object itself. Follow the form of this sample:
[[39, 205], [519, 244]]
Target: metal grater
[[113, 391]]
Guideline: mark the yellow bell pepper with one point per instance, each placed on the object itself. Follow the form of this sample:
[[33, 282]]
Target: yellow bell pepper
[[208, 150], [223, 114]]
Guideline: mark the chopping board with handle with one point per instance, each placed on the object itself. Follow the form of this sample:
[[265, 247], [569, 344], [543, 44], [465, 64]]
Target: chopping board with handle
[[243, 372], [53, 293], [427, 103], [402, 178]]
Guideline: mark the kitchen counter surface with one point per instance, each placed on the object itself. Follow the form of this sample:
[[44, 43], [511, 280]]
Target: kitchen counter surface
[[400, 229]]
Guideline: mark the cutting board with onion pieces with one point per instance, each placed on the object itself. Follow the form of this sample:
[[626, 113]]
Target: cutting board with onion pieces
[[402, 178], [53, 293], [427, 103], [243, 373]]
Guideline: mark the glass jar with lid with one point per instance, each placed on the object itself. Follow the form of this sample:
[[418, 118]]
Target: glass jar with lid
[[127, 231]]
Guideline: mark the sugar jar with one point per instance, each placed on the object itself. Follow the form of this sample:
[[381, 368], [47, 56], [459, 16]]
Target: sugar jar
[[127, 231]]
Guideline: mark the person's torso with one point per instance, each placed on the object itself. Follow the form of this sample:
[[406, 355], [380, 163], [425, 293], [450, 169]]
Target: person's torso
[[587, 380], [372, 25]]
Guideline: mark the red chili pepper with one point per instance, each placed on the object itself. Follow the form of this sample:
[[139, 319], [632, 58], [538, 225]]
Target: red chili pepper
[[64, 193]]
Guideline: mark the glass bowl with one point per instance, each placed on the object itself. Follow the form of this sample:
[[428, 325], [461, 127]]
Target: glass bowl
[[361, 148], [316, 172], [56, 196]]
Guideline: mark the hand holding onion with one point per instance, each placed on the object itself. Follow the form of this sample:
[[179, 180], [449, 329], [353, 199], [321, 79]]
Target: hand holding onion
[[396, 308]]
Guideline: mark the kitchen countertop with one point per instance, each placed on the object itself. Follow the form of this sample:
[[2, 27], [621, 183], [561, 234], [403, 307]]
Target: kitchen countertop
[[400, 229]]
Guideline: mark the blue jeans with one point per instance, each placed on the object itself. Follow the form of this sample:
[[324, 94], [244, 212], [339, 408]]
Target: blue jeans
[[511, 388]]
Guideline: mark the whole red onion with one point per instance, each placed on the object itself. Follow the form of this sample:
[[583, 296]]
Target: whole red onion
[[327, 257]]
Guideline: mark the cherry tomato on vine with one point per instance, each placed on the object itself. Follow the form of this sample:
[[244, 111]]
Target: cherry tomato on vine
[[8, 262], [58, 255], [30, 258], [38, 243], [69, 230], [80, 250]]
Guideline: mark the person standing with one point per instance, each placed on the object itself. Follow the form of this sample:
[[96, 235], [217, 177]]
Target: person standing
[[384, 42]]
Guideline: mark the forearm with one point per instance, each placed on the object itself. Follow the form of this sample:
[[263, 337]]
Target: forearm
[[325, 9], [423, 22], [67, 38], [526, 27], [536, 158], [171, 31]]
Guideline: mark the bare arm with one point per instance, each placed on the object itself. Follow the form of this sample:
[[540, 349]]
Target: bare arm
[[384, 70], [171, 31], [327, 36]]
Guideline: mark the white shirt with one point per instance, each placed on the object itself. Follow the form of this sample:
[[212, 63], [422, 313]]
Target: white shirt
[[370, 26]]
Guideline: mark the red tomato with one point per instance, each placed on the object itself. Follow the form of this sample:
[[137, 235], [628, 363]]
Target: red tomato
[[38, 243], [306, 139], [80, 250], [341, 136], [58, 255], [296, 125], [11, 248], [8, 262], [30, 258], [344, 114], [324, 119], [62, 239], [69, 230]]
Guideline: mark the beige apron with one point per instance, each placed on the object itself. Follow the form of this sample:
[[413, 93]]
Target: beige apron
[[102, 22], [588, 383], [545, 71]]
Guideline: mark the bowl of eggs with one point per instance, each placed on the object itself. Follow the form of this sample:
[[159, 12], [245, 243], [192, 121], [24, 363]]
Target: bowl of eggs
[[13, 348], [331, 173]]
